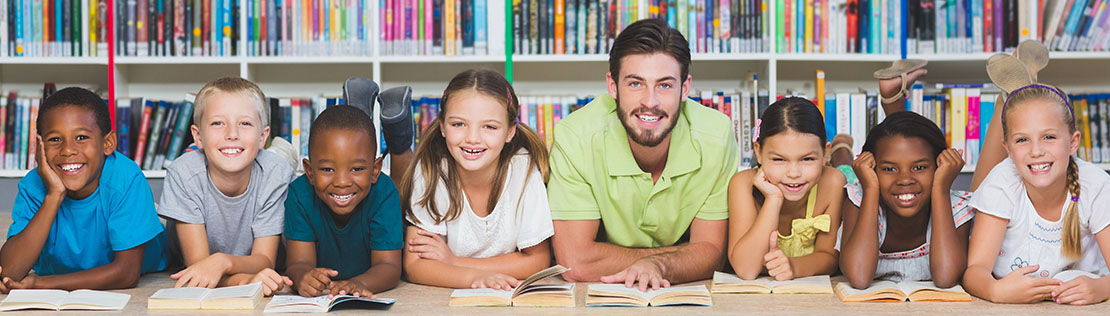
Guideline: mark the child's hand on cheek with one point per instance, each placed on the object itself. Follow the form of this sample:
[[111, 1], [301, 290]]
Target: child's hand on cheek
[[777, 263], [431, 246], [315, 282], [349, 287], [765, 186], [864, 167], [1016, 287], [1080, 291], [49, 176], [205, 273], [949, 163]]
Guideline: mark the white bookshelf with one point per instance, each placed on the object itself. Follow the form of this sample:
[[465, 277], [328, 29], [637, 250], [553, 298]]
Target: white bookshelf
[[300, 76]]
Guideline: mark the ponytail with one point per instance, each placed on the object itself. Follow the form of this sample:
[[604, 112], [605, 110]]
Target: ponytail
[[1070, 244]]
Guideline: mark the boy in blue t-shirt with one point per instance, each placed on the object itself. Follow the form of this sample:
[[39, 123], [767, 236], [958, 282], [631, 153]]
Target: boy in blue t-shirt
[[342, 218], [85, 218]]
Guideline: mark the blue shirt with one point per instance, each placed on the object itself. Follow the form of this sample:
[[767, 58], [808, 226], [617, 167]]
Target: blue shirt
[[118, 216], [374, 225]]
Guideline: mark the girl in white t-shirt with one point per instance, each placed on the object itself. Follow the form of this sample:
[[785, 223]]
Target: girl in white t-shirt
[[475, 193], [1042, 211]]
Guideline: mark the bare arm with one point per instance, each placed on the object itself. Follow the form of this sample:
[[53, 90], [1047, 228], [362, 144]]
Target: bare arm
[[123, 272], [207, 269], [300, 259], [748, 229], [19, 253], [520, 264], [384, 272], [860, 250], [698, 259], [589, 260], [986, 241], [992, 152], [435, 272]]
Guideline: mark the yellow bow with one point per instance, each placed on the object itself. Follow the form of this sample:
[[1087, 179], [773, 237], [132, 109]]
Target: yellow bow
[[821, 223]]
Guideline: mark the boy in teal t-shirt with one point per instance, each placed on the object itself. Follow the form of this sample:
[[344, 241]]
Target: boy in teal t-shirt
[[342, 218], [85, 218]]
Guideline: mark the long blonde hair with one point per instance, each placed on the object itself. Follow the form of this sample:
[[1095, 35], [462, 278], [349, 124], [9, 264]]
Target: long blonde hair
[[1070, 237], [438, 165]]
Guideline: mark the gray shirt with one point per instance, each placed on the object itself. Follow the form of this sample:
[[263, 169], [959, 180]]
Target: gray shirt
[[231, 222]]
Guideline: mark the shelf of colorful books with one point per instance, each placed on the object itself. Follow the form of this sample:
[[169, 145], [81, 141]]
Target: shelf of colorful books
[[20, 173], [442, 59], [54, 60], [191, 60], [820, 57], [309, 60]]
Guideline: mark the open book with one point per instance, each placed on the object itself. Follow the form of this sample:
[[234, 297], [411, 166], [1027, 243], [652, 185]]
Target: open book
[[528, 293], [618, 295], [727, 283], [887, 291], [63, 300], [232, 297], [322, 304]]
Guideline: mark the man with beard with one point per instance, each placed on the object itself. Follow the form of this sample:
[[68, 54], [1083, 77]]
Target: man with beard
[[639, 177]]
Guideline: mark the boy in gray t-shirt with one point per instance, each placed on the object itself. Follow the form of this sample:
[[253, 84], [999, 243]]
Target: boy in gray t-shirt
[[225, 202]]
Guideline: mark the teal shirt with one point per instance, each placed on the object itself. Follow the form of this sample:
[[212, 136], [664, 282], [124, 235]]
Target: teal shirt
[[375, 225]]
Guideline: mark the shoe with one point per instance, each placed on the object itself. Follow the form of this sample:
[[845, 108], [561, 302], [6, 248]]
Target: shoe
[[1034, 55], [1007, 72], [397, 126], [360, 93], [899, 69]]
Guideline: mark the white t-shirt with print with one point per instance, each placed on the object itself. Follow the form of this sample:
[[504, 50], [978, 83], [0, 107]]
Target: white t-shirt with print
[[521, 219], [1032, 240]]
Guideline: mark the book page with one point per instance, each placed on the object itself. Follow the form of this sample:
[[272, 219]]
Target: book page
[[536, 277], [846, 289], [182, 293], [620, 290], [928, 291], [537, 288], [296, 303], [482, 292], [239, 291], [90, 298], [52, 297], [816, 280], [909, 287]]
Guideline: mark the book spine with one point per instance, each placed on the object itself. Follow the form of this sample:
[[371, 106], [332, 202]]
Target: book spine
[[971, 151], [182, 127], [560, 27], [155, 133], [143, 132]]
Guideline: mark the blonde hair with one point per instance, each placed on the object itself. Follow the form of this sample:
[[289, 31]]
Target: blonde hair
[[1070, 236], [233, 85], [432, 153]]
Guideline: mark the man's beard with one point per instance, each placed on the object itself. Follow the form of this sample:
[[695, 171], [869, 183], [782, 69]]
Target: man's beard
[[647, 138]]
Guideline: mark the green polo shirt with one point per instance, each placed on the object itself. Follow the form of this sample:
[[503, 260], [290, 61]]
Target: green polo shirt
[[594, 176]]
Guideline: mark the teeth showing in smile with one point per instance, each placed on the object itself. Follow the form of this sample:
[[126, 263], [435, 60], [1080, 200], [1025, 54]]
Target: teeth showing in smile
[[794, 186], [906, 197], [343, 198], [231, 151], [473, 151], [70, 167], [1040, 167], [648, 117]]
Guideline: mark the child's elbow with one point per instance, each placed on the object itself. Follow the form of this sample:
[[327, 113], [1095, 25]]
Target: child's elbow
[[858, 282], [946, 281]]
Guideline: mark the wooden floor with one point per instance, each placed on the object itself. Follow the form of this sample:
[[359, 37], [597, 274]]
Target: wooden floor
[[413, 299]]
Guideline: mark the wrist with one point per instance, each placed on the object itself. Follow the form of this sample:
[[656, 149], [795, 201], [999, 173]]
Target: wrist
[[224, 262]]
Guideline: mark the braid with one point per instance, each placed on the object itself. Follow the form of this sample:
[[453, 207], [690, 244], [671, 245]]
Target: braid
[[1071, 247]]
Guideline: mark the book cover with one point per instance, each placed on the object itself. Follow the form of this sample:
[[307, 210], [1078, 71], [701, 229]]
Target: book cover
[[971, 153], [181, 128], [123, 126]]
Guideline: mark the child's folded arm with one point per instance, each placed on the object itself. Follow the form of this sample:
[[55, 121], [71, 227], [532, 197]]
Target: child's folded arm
[[520, 264], [123, 272], [242, 268], [384, 272]]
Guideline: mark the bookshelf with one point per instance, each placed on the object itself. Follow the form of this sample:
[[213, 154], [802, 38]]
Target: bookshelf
[[583, 74]]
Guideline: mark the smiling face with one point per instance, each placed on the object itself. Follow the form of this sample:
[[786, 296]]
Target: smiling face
[[1040, 144], [649, 94], [75, 148], [475, 128], [905, 168], [792, 161], [342, 169], [230, 132]]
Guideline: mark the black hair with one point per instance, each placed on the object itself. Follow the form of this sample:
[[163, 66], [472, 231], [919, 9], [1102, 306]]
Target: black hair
[[792, 113], [650, 36], [79, 97], [907, 124], [342, 117]]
